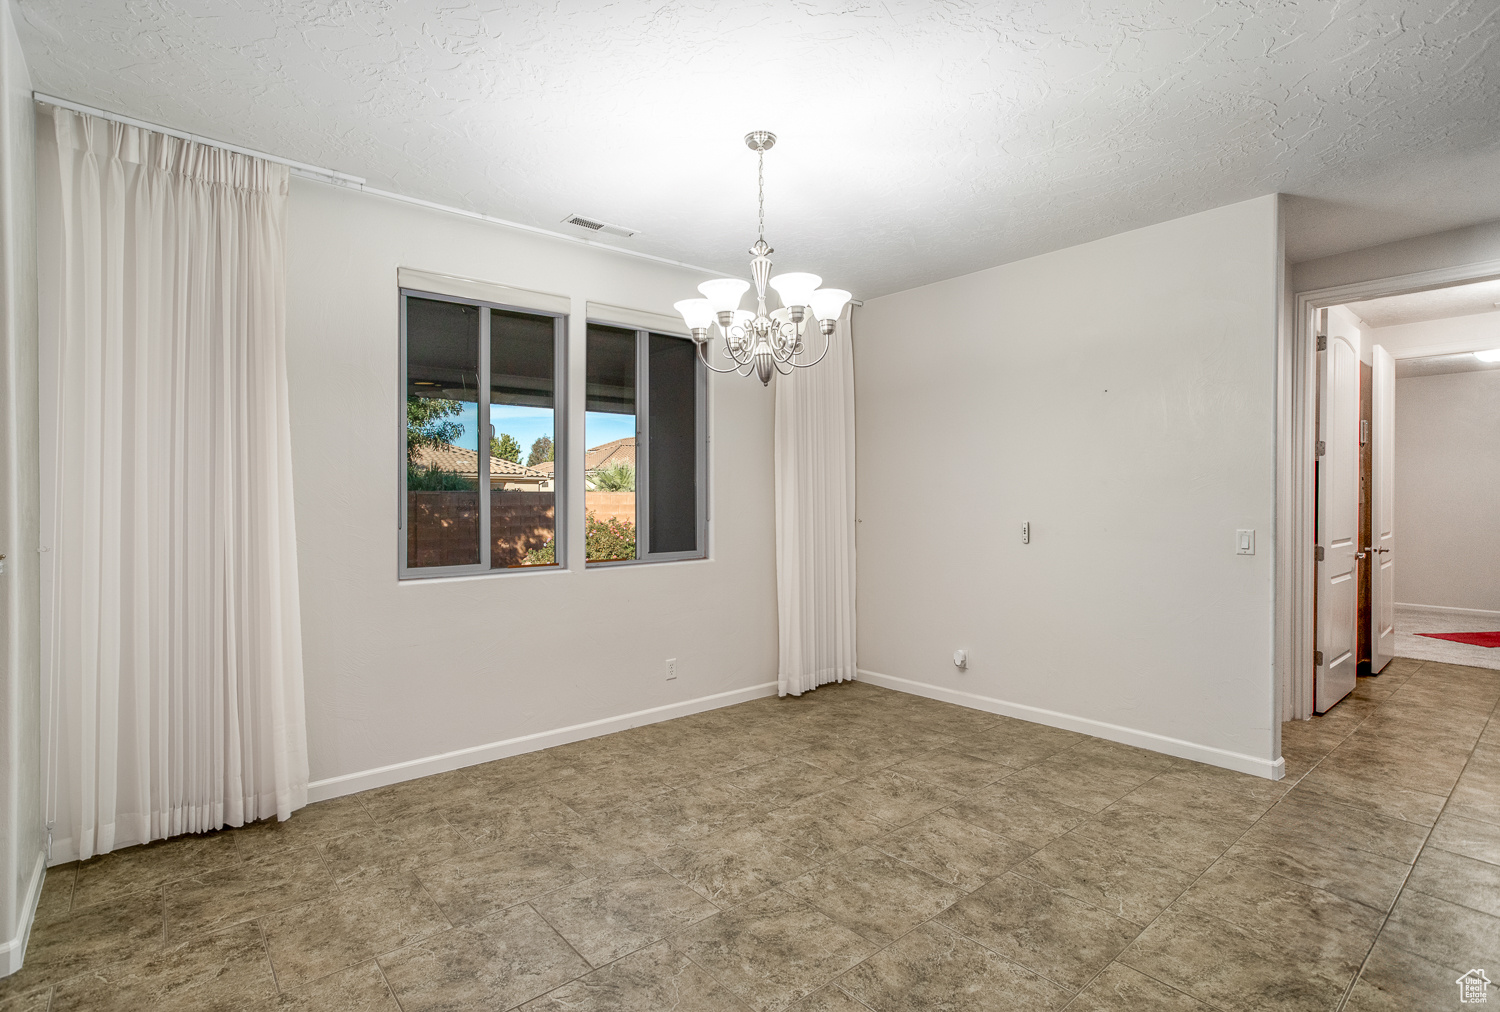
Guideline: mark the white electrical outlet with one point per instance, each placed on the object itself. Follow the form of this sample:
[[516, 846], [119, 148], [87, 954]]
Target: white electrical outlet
[[671, 668]]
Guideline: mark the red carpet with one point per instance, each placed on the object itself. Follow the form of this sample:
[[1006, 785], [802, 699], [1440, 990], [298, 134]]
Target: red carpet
[[1481, 639]]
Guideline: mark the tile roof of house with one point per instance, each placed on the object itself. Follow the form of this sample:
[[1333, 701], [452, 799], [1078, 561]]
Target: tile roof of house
[[604, 455], [611, 454], [462, 461]]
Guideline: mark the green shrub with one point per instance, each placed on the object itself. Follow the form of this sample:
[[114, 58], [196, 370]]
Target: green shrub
[[543, 556], [607, 541], [435, 479], [615, 478]]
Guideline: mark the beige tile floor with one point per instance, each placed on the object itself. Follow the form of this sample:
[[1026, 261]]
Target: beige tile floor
[[856, 849]]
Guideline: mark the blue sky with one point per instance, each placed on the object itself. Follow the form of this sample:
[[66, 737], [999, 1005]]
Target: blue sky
[[603, 427], [526, 424]]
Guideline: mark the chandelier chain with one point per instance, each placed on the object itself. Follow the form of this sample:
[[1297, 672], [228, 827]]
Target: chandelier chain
[[761, 179]]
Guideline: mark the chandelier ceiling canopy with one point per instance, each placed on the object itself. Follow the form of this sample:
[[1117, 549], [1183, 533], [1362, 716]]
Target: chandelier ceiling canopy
[[763, 343]]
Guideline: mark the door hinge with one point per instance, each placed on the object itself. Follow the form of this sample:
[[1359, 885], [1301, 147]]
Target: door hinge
[[1317, 553], [1318, 658], [1364, 431], [1322, 343], [1322, 448]]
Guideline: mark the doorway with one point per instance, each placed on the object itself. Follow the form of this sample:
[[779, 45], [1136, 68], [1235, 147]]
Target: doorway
[[1360, 587], [1446, 398]]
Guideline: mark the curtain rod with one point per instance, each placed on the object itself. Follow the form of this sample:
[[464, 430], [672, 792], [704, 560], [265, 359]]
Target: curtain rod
[[319, 173], [301, 168]]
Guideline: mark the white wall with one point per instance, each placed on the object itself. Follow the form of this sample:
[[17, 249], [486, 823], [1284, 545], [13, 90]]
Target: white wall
[[1448, 490], [401, 671], [1456, 334], [1453, 248], [22, 833], [1120, 396]]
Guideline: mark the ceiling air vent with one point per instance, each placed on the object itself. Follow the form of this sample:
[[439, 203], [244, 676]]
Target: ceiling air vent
[[593, 225]]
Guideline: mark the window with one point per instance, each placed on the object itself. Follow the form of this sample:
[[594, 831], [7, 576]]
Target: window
[[646, 446], [458, 428]]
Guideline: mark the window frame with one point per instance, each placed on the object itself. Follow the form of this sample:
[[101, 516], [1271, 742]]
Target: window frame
[[559, 442], [643, 554]]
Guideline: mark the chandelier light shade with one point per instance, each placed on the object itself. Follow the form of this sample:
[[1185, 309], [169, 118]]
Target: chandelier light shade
[[796, 289], [760, 342]]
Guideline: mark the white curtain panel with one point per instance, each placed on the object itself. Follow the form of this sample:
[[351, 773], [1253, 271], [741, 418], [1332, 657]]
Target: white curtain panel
[[176, 653], [815, 519]]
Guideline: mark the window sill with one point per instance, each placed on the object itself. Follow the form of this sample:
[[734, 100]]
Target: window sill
[[408, 581], [632, 563]]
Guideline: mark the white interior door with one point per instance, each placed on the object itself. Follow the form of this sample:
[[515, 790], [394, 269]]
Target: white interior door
[[1338, 521], [1382, 505]]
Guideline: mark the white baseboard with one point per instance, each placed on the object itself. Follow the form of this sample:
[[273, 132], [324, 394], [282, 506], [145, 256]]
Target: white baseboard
[[353, 783], [1475, 612], [1098, 728], [13, 952]]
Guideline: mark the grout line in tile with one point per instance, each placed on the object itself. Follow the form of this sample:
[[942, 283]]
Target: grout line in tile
[[1116, 962], [435, 904], [390, 990], [321, 850], [1172, 987], [586, 961], [933, 920], [710, 974], [1001, 955], [265, 945], [834, 983]]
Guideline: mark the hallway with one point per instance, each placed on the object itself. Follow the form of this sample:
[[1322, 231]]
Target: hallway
[[1411, 622]]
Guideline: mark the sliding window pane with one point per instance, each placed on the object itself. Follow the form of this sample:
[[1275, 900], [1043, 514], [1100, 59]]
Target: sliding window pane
[[442, 434], [609, 436], [672, 462], [523, 499]]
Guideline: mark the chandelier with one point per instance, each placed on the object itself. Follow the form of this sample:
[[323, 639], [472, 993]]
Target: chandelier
[[760, 342]]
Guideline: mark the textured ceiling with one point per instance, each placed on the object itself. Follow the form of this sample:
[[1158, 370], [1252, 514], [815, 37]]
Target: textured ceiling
[[1439, 365], [1434, 304], [920, 139]]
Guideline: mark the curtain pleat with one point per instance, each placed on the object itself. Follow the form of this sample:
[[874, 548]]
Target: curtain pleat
[[815, 520], [176, 637]]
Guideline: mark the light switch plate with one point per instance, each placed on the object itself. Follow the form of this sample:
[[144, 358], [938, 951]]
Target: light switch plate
[[1244, 542]]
